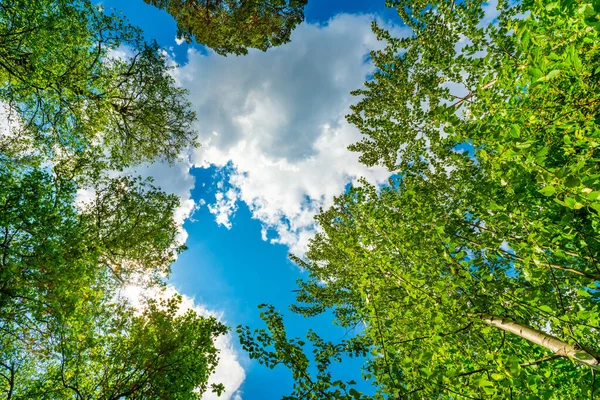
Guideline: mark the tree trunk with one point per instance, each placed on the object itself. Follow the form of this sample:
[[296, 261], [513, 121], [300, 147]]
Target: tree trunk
[[557, 346]]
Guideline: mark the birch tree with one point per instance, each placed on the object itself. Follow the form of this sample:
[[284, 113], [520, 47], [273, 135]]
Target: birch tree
[[473, 273]]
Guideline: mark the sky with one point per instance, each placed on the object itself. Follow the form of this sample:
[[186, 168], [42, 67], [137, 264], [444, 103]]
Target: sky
[[274, 151]]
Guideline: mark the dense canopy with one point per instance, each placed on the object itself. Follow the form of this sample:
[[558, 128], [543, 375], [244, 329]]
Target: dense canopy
[[84, 96], [473, 273], [234, 26]]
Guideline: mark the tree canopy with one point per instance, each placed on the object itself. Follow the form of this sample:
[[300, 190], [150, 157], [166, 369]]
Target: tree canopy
[[473, 273], [80, 83], [234, 26], [85, 96]]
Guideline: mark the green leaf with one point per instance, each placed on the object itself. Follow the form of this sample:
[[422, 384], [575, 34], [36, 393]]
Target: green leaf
[[552, 74], [593, 196], [546, 308], [515, 131], [548, 190], [497, 377], [572, 181], [570, 202]]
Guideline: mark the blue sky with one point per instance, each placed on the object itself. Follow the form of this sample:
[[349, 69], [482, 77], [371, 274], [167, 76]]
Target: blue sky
[[274, 151]]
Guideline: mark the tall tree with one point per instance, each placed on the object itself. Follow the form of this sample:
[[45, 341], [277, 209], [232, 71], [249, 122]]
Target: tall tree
[[86, 97], [82, 84], [109, 350], [64, 332], [233, 26], [473, 273]]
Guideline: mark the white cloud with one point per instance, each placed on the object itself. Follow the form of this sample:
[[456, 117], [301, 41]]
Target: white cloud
[[224, 207], [276, 121], [229, 371]]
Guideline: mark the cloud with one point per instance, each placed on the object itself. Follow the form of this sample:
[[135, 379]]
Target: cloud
[[224, 207], [229, 371], [275, 121]]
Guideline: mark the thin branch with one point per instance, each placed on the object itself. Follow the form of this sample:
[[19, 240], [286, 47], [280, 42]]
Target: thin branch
[[541, 360], [459, 103]]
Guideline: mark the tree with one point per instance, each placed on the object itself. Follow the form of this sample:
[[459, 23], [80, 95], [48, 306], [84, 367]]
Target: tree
[[116, 352], [86, 97], [74, 92], [473, 275], [233, 26], [274, 347], [158, 354], [63, 330], [130, 222]]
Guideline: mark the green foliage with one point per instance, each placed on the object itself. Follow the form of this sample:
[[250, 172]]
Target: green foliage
[[420, 283], [78, 110], [131, 223], [115, 353], [157, 354], [233, 26], [273, 348], [475, 275], [42, 246], [65, 332], [75, 96]]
